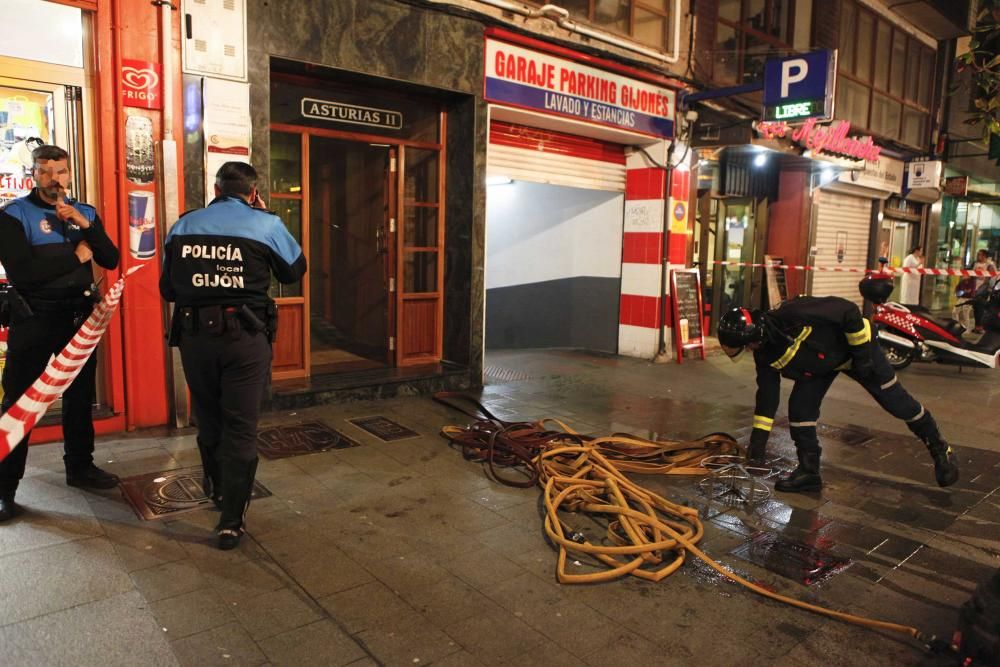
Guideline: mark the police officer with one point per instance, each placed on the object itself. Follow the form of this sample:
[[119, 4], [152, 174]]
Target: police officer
[[47, 245], [810, 340], [217, 270]]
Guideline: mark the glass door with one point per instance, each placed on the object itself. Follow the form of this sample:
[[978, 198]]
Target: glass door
[[351, 192], [736, 243]]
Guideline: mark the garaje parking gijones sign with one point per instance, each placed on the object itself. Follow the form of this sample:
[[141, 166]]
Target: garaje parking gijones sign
[[525, 78]]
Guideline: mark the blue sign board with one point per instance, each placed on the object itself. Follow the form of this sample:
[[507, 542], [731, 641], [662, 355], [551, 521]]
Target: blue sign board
[[792, 82]]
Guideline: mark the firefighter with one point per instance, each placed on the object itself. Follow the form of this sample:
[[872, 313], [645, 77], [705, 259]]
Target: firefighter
[[217, 269], [810, 340]]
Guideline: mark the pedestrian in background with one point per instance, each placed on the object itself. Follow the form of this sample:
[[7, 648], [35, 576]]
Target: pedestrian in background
[[983, 284], [48, 245], [910, 284], [217, 266]]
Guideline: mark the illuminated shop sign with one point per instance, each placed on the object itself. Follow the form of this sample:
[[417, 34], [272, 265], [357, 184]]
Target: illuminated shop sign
[[830, 139], [539, 81], [800, 86]]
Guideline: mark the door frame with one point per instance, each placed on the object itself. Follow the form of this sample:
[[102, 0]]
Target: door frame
[[396, 222]]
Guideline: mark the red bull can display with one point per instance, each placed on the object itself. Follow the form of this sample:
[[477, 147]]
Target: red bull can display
[[141, 224]]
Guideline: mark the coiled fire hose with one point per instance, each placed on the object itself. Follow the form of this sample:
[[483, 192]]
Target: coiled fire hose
[[581, 473]]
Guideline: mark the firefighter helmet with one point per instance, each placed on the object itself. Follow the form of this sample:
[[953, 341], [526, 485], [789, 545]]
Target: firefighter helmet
[[738, 328]]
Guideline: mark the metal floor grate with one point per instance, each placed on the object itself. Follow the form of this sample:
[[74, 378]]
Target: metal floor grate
[[499, 374], [165, 494], [277, 442]]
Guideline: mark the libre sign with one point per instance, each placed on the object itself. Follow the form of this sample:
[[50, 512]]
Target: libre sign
[[525, 78], [801, 86], [141, 84]]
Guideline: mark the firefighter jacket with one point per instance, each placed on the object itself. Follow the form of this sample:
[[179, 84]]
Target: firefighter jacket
[[804, 338], [37, 249], [224, 254]]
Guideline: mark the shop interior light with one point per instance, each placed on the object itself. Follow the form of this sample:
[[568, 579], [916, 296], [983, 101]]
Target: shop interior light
[[977, 203], [499, 180], [760, 160]]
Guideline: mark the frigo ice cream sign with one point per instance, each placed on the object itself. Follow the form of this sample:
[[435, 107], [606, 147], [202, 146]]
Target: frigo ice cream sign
[[520, 77]]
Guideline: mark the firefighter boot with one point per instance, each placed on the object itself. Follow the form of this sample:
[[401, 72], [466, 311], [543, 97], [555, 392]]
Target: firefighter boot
[[237, 485], [945, 462], [805, 477]]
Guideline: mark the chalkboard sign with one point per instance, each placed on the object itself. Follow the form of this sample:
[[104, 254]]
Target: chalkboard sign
[[777, 288], [685, 288]]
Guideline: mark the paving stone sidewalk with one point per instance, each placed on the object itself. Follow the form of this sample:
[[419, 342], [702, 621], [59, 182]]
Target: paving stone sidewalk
[[402, 553]]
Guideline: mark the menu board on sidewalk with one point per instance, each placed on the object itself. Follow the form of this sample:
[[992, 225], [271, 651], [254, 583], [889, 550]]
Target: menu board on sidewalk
[[685, 288], [777, 288]]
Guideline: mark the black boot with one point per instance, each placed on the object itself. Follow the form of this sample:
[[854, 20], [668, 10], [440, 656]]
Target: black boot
[[237, 485], [91, 477], [945, 462], [8, 508], [804, 478]]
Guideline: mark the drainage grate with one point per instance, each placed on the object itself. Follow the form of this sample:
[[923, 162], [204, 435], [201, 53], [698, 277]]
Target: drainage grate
[[278, 442], [500, 374], [384, 428], [161, 495], [794, 560]]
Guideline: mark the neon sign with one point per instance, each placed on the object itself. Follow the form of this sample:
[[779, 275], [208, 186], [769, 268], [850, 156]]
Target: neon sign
[[831, 139]]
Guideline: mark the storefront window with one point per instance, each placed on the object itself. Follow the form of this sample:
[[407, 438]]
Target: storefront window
[[646, 21], [747, 33], [966, 228], [880, 62]]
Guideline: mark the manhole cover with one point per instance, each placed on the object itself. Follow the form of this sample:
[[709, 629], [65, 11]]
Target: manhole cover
[[278, 442], [165, 494], [384, 428], [498, 374], [791, 559]]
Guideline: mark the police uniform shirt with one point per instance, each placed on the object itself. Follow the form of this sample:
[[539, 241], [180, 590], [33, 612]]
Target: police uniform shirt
[[37, 248], [224, 254], [807, 337]]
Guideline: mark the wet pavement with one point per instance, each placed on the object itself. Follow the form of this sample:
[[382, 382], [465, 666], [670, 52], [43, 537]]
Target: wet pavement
[[400, 552]]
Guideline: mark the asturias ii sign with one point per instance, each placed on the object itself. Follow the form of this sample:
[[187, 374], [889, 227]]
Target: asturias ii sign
[[525, 78]]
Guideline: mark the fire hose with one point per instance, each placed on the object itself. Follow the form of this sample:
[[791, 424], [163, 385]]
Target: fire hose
[[649, 535]]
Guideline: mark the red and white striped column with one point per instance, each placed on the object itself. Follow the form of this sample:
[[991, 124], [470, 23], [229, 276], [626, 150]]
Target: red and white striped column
[[643, 249]]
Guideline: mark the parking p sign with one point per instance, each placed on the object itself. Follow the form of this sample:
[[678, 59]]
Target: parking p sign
[[800, 87]]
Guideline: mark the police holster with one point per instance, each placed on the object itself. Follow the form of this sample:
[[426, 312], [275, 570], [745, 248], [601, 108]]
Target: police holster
[[13, 307]]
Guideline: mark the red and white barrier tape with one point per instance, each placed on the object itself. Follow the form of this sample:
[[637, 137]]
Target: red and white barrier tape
[[60, 372], [976, 273]]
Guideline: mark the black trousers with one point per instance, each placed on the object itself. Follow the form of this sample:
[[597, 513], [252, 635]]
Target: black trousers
[[227, 377], [30, 344], [883, 385]]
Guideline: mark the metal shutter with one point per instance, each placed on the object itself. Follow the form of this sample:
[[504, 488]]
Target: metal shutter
[[543, 156], [838, 213]]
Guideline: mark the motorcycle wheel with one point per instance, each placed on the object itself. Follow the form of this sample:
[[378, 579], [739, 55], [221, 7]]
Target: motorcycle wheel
[[897, 358]]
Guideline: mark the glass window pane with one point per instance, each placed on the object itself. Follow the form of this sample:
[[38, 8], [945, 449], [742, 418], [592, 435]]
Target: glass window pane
[[914, 123], [420, 226], [290, 212], [725, 68], [421, 181], [25, 20], [864, 37], [852, 102], [883, 49], [650, 28], [756, 16], [579, 8], [26, 114], [898, 63], [730, 10], [926, 78], [612, 15], [420, 272], [780, 11], [913, 71], [885, 116], [847, 41], [286, 163], [754, 55]]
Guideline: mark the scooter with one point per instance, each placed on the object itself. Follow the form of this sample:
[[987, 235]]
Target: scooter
[[911, 333]]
